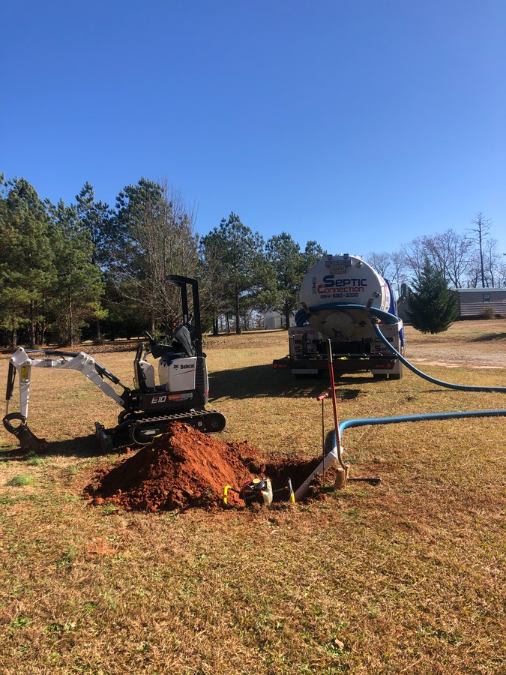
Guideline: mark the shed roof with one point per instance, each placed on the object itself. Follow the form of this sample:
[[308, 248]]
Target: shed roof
[[478, 290]]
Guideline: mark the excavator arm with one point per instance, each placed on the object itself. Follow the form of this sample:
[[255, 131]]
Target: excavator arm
[[21, 364]]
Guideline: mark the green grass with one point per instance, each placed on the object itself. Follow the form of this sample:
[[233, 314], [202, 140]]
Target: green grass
[[20, 622], [35, 460], [108, 509], [20, 481]]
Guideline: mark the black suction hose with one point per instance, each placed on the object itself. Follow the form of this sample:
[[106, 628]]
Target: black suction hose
[[390, 319], [429, 378]]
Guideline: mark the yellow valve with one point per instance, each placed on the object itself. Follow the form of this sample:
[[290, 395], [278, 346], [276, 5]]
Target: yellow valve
[[226, 488], [291, 492]]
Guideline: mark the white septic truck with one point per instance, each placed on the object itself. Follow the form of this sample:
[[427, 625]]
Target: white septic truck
[[339, 298]]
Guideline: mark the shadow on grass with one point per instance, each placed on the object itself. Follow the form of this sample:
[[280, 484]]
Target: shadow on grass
[[263, 380], [238, 383], [82, 446], [489, 337]]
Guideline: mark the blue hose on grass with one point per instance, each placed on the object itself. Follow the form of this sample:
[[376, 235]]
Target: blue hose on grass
[[335, 455], [420, 417], [391, 319]]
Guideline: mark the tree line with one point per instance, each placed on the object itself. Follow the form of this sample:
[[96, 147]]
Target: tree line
[[89, 270], [469, 259]]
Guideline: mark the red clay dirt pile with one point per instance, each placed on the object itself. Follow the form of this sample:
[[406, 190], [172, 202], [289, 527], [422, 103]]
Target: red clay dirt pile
[[186, 468], [180, 469]]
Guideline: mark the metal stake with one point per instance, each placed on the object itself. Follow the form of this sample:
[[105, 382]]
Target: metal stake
[[322, 398]]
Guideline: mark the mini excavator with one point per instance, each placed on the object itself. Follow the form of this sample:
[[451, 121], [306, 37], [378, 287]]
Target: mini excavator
[[148, 409]]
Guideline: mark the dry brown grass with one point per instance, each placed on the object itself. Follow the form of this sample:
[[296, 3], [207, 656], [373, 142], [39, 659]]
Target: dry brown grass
[[406, 576]]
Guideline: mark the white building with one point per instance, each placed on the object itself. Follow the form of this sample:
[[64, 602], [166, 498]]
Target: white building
[[273, 320], [475, 302]]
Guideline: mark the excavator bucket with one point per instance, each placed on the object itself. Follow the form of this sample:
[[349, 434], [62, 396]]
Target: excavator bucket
[[104, 439], [28, 441]]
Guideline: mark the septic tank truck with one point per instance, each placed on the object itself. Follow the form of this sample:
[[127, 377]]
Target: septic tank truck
[[339, 296]]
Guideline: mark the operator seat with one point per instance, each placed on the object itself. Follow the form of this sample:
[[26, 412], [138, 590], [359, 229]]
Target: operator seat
[[183, 337], [180, 347]]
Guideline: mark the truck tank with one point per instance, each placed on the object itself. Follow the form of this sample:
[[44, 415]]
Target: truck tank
[[344, 279], [329, 285]]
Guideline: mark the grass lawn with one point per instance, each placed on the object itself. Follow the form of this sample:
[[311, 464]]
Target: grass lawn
[[407, 576]]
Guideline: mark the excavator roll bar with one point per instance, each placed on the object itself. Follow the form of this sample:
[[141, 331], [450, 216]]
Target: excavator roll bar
[[183, 283]]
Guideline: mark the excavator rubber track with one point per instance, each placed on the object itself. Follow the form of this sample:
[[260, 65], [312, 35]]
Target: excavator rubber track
[[136, 431]]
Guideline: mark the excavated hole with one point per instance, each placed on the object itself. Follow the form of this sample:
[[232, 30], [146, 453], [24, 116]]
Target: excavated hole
[[297, 470], [186, 468]]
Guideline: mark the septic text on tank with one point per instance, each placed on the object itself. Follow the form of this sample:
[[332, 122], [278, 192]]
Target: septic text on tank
[[331, 282]]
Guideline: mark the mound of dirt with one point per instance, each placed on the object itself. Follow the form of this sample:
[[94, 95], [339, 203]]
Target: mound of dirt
[[186, 468], [181, 469]]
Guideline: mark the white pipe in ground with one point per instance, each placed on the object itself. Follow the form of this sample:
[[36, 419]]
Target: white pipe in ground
[[328, 461]]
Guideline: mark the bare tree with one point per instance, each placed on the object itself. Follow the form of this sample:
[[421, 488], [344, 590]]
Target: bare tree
[[380, 262], [459, 249], [451, 253], [461, 259], [392, 266], [481, 230], [502, 273], [473, 275], [492, 262], [398, 267], [415, 255], [159, 242]]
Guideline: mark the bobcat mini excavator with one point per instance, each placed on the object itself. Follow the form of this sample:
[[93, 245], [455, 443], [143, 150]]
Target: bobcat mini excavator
[[148, 409]]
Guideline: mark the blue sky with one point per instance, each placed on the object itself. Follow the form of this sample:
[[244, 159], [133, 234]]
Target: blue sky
[[361, 124]]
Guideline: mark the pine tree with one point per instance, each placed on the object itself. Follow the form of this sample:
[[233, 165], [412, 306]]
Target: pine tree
[[79, 284], [288, 265], [96, 218], [235, 254], [287, 262], [27, 270], [433, 307]]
